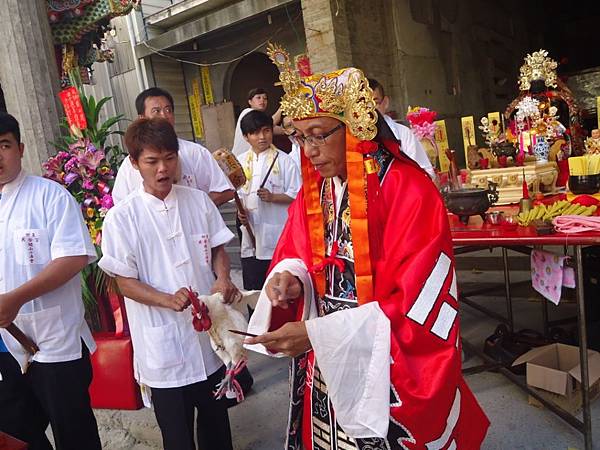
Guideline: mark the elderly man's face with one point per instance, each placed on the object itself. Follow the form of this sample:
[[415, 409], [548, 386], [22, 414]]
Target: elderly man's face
[[329, 158]]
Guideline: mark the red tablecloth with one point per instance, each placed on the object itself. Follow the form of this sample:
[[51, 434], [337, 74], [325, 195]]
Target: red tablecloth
[[477, 232]]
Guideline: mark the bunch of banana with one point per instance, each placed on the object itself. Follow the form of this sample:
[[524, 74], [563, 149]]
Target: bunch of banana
[[549, 212]]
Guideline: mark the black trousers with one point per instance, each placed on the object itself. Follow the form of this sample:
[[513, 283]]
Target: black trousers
[[49, 393], [254, 272], [174, 410]]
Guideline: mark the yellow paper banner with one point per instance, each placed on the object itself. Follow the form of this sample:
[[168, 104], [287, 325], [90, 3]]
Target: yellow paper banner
[[207, 85], [196, 90], [196, 117], [441, 139], [468, 133], [494, 123]]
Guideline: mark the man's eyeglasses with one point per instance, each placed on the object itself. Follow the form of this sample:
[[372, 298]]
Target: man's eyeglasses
[[319, 139]]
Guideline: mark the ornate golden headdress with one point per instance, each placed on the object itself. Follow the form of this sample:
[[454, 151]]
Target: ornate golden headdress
[[538, 66], [344, 95]]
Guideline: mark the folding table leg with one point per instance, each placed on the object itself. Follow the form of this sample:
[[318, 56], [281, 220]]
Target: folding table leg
[[509, 310], [544, 304], [583, 356]]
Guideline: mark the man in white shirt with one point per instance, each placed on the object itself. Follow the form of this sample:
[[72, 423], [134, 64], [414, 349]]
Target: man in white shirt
[[408, 141], [273, 183], [44, 244], [257, 101], [197, 167], [159, 241]]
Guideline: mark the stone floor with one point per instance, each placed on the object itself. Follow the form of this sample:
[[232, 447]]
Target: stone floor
[[258, 423]]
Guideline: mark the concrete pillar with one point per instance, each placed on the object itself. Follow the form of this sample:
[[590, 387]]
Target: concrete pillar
[[327, 34], [29, 76]]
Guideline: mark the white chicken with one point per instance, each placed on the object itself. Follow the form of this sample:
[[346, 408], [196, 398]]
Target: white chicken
[[217, 318]]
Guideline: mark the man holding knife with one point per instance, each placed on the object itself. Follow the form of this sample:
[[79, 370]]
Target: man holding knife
[[44, 244], [273, 183]]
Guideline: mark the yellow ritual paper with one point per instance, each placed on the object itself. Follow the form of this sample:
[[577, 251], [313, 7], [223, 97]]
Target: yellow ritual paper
[[207, 86], [468, 133], [441, 139]]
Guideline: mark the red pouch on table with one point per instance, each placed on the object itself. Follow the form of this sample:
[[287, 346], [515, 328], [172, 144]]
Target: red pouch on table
[[113, 385]]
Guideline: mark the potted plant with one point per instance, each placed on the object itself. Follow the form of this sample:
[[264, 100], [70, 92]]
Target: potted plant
[[86, 165]]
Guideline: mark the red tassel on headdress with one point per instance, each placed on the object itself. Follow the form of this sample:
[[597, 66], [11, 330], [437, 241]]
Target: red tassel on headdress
[[525, 187]]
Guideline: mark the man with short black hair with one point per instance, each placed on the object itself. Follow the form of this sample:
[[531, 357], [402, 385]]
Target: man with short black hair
[[197, 168], [408, 141], [44, 246], [273, 183], [158, 242]]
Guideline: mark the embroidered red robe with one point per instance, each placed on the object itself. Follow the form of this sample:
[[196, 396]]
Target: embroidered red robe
[[415, 285]]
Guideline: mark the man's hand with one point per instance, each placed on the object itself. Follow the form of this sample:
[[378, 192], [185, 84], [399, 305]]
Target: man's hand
[[265, 195], [283, 287], [291, 339], [9, 308], [243, 218], [177, 301], [226, 287]]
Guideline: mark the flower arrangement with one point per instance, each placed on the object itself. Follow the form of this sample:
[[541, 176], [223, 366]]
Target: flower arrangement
[[87, 166], [422, 122], [87, 174], [492, 132], [530, 116]]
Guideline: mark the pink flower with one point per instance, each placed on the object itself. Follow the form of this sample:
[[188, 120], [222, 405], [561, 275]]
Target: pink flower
[[424, 131], [71, 163], [420, 116], [70, 178], [53, 167], [90, 157], [107, 201], [87, 184]]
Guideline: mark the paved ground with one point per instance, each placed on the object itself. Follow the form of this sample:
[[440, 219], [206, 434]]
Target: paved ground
[[259, 422]]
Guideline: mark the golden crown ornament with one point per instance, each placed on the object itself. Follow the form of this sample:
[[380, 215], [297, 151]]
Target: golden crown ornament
[[344, 95], [538, 66]]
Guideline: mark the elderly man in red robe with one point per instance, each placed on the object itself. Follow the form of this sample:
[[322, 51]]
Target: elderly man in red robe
[[362, 290]]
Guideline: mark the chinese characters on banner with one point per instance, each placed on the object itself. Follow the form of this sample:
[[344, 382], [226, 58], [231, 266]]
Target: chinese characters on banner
[[73, 108], [195, 102], [207, 86]]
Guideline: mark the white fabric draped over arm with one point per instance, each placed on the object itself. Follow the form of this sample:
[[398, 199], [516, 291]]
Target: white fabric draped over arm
[[352, 350]]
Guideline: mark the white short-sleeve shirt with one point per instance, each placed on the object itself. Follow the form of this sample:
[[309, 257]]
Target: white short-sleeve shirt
[[40, 221], [240, 144], [165, 244], [411, 146], [267, 219], [198, 170]]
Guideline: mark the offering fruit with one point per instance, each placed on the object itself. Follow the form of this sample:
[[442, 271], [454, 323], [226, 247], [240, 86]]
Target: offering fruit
[[549, 212]]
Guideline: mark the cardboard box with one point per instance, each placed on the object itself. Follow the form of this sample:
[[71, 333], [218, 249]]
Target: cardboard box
[[555, 371]]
